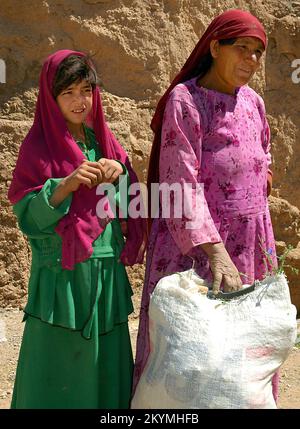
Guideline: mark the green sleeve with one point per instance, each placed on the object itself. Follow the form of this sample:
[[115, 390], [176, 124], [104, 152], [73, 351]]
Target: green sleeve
[[36, 217]]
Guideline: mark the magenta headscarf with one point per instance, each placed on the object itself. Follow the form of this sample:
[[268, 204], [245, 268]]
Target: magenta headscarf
[[49, 151]]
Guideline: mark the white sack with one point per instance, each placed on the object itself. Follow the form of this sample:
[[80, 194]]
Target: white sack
[[213, 354]]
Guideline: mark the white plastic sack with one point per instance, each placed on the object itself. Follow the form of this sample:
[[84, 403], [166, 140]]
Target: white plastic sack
[[215, 354]]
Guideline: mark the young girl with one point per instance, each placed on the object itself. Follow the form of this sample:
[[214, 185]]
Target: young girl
[[211, 128], [76, 350]]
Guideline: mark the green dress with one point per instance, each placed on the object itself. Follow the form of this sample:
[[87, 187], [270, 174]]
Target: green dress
[[76, 350]]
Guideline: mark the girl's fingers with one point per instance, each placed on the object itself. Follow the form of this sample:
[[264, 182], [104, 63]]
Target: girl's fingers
[[85, 181], [92, 168], [109, 172], [103, 169], [90, 163], [91, 178], [88, 171], [114, 176]]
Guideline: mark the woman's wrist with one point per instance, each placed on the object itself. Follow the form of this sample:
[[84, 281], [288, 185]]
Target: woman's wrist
[[212, 248]]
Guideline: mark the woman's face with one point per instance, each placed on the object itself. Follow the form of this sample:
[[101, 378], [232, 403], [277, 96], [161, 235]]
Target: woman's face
[[75, 102], [236, 64]]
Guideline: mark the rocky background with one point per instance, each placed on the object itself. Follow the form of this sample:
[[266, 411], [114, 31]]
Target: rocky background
[[138, 46]]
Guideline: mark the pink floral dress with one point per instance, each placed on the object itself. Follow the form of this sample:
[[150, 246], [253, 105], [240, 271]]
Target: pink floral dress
[[222, 141]]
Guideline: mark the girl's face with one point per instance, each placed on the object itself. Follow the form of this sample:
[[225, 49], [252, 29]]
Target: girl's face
[[236, 64], [75, 102]]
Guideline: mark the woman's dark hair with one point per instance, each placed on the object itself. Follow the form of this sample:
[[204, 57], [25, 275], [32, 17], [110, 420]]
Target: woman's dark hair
[[73, 68], [206, 62]]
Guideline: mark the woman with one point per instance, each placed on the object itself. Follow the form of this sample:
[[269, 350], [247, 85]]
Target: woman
[[211, 128], [76, 350]]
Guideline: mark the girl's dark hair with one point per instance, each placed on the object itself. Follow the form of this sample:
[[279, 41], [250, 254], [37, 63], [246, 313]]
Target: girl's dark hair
[[206, 62], [73, 68]]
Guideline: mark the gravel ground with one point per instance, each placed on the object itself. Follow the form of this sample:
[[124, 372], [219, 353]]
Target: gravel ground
[[11, 327]]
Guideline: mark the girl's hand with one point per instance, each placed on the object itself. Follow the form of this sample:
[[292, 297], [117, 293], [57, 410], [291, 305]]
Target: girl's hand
[[222, 267], [88, 173], [110, 170]]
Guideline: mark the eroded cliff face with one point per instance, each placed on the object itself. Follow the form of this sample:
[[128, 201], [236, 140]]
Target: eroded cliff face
[[138, 47]]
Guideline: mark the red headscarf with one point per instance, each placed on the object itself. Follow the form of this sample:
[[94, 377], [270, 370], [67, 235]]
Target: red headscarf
[[49, 151], [231, 24]]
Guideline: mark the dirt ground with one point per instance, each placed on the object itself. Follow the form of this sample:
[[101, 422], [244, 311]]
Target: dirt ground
[[12, 327]]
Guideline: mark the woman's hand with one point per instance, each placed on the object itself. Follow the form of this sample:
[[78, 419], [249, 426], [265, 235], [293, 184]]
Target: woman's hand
[[110, 170], [222, 267]]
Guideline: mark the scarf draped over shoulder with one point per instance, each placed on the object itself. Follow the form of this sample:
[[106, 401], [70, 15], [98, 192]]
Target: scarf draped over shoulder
[[49, 151]]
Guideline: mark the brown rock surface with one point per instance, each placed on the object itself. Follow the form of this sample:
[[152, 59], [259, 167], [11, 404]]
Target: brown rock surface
[[138, 46]]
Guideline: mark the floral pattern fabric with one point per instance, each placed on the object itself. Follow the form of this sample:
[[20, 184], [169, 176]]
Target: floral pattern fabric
[[223, 142]]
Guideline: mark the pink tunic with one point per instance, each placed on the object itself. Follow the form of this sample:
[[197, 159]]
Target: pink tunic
[[222, 141]]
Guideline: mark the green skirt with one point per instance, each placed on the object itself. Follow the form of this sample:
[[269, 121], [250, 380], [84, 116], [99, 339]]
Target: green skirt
[[58, 368], [76, 350]]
